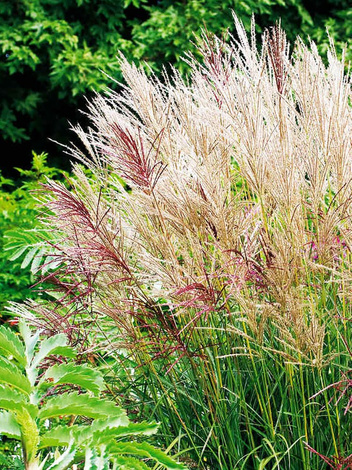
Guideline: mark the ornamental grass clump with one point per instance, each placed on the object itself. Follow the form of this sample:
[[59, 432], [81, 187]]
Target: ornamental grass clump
[[209, 249]]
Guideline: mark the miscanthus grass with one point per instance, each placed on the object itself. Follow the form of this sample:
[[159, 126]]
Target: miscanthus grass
[[209, 251]]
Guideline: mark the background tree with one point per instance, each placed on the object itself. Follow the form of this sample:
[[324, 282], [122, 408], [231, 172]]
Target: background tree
[[54, 52]]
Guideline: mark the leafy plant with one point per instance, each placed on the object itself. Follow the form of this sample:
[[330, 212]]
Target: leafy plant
[[21, 235], [93, 430]]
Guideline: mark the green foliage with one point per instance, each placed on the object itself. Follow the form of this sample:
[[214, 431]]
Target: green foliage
[[54, 52], [61, 47], [165, 35], [337, 23], [32, 403], [21, 242]]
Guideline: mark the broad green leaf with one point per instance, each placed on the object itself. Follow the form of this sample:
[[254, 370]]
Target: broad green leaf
[[64, 461], [82, 405], [29, 257], [96, 459], [10, 345], [99, 431], [17, 253], [54, 345], [30, 340], [19, 242], [29, 433], [12, 375], [145, 450], [110, 433], [51, 263], [37, 260], [66, 351], [60, 436], [9, 426], [14, 401], [130, 463], [81, 375], [84, 434]]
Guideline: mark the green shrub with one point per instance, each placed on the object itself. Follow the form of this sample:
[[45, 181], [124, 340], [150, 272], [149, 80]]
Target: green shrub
[[21, 244]]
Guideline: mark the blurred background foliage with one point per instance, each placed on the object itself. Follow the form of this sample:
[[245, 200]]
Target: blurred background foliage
[[20, 241], [53, 53]]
